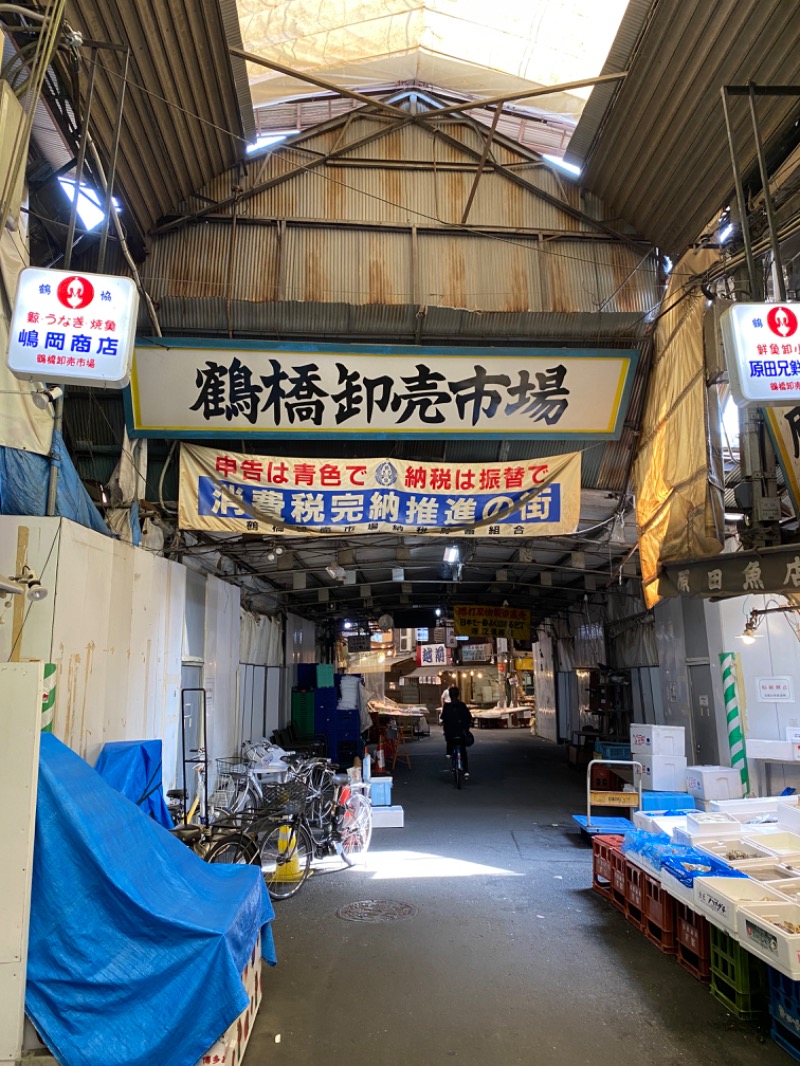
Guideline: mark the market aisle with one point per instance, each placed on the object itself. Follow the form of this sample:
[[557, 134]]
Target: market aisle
[[510, 959]]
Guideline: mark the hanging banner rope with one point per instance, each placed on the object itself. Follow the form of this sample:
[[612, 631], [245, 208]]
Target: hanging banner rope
[[733, 713]]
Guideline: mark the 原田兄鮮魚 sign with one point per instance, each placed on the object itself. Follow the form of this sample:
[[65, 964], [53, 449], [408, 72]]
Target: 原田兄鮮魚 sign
[[236, 492], [197, 389]]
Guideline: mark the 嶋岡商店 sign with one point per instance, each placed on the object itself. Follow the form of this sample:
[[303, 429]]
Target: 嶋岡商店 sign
[[246, 493], [186, 389], [76, 328]]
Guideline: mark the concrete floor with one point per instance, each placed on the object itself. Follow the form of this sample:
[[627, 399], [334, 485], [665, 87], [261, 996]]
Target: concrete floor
[[511, 957]]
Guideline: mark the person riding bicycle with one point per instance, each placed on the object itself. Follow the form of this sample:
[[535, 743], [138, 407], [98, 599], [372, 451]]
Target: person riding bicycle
[[456, 722]]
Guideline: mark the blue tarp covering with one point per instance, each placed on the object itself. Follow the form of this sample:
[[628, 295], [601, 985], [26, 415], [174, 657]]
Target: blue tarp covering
[[24, 478], [136, 945], [133, 767]]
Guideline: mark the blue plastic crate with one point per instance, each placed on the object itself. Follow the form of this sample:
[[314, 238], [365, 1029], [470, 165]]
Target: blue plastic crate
[[306, 675], [381, 792], [667, 801], [784, 1002], [608, 750], [610, 826]]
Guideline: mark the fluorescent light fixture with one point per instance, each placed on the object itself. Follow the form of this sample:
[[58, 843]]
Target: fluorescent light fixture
[[559, 162], [725, 233], [266, 140], [336, 572], [451, 554]]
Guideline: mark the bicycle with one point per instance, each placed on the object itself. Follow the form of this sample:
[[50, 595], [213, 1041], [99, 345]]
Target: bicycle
[[457, 761], [314, 814]]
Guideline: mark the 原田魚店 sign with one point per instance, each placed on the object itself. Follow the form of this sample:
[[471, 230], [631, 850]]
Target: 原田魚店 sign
[[195, 389]]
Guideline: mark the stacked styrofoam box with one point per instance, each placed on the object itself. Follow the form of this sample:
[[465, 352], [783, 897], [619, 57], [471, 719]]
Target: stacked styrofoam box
[[660, 749], [706, 826], [719, 899], [387, 817], [714, 782], [776, 750], [230, 1048], [745, 809]]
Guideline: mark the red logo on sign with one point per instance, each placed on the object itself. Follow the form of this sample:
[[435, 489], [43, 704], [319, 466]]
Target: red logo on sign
[[782, 321], [76, 292]]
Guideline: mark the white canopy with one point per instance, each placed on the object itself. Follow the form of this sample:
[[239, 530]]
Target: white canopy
[[472, 46]]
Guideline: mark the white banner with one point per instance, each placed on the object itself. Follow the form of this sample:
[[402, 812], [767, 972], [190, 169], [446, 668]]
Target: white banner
[[260, 494], [208, 390]]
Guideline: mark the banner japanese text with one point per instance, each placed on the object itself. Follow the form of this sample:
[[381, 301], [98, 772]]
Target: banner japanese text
[[478, 621], [230, 491]]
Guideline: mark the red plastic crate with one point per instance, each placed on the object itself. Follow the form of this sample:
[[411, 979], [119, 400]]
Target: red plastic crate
[[605, 780], [694, 942], [619, 881], [602, 846], [659, 916], [634, 894]]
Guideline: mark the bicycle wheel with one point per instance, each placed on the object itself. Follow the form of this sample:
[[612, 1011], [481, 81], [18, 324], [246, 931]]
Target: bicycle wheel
[[356, 829], [234, 848], [286, 854]]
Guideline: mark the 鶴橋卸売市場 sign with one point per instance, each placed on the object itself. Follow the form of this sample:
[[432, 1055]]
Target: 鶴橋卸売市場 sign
[[248, 493], [204, 389]]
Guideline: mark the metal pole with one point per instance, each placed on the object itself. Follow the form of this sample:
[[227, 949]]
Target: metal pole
[[740, 200], [777, 265], [101, 254]]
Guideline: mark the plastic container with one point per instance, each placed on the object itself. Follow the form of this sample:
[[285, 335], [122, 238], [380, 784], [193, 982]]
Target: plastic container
[[714, 782], [712, 825], [381, 791], [738, 980], [767, 930], [658, 740], [766, 871], [671, 802], [719, 898], [745, 809], [778, 844], [734, 850], [789, 818], [659, 821]]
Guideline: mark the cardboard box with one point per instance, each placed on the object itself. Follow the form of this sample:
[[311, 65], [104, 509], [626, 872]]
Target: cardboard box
[[714, 782], [663, 772], [658, 740], [231, 1046]]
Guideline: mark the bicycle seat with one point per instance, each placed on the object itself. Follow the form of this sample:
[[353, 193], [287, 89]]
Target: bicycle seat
[[176, 794], [189, 834]]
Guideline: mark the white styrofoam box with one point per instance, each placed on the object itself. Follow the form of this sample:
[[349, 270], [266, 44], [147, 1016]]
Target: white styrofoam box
[[780, 845], [663, 773], [719, 898], [733, 850], [779, 750], [659, 821], [745, 809], [712, 824], [789, 889], [792, 734], [789, 818], [758, 930], [676, 888], [766, 870], [658, 740], [387, 817], [714, 782]]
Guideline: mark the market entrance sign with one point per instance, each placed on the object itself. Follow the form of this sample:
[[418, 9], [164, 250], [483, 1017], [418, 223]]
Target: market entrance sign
[[194, 389], [736, 574], [473, 620], [245, 493], [762, 352], [76, 328]]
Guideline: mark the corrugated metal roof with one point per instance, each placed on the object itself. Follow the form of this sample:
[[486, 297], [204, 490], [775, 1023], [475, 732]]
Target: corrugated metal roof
[[186, 112], [661, 160]]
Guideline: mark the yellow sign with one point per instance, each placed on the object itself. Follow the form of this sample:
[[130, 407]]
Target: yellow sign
[[524, 663], [614, 799], [472, 620]]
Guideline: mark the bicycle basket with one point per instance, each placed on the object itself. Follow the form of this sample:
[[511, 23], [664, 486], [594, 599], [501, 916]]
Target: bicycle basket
[[284, 799]]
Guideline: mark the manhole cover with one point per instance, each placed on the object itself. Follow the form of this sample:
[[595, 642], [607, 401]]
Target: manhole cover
[[376, 910]]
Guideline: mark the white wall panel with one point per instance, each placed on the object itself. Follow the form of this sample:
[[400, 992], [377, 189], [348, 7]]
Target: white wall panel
[[221, 667], [775, 653]]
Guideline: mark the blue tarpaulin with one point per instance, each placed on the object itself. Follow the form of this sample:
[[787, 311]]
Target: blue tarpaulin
[[24, 477], [133, 767], [136, 945]]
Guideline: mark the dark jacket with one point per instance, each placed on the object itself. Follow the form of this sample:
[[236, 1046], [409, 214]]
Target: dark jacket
[[456, 719]]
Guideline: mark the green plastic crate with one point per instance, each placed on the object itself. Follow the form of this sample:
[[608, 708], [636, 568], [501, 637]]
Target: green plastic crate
[[738, 979]]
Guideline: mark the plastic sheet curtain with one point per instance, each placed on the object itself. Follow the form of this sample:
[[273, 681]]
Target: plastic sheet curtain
[[260, 640], [677, 476], [474, 47], [630, 630]]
